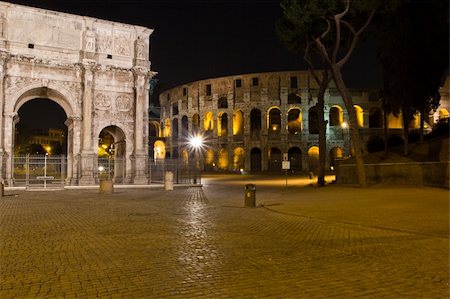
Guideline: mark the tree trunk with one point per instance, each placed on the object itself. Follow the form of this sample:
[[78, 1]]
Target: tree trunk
[[406, 120], [322, 131], [353, 125], [385, 129], [422, 121]]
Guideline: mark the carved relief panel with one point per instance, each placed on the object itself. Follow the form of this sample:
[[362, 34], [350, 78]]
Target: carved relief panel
[[114, 106]]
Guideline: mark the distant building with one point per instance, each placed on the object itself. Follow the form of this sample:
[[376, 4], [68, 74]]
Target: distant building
[[53, 136], [252, 122]]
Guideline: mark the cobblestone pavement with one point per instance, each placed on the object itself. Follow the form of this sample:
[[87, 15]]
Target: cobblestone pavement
[[201, 242]]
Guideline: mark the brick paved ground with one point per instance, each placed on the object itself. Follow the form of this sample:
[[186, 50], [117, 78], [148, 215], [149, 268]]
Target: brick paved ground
[[305, 242]]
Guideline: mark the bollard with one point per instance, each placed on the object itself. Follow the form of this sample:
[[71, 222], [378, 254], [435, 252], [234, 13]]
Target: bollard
[[168, 180], [250, 196], [2, 189], [106, 187]]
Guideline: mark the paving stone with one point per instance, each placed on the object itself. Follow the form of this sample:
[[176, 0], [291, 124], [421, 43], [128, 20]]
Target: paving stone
[[195, 242]]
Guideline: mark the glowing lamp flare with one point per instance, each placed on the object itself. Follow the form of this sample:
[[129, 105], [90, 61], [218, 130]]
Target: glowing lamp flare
[[196, 142]]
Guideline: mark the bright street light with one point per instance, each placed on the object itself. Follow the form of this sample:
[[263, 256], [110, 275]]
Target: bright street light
[[196, 142], [344, 125]]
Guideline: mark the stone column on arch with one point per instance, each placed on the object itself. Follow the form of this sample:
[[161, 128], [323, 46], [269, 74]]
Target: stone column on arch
[[10, 120], [3, 60], [140, 156], [73, 124], [87, 155]]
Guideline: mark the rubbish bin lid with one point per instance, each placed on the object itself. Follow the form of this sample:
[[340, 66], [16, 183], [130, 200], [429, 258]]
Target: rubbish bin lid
[[250, 186]]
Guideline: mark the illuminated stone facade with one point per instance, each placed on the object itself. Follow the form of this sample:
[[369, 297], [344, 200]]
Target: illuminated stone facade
[[250, 121], [96, 70]]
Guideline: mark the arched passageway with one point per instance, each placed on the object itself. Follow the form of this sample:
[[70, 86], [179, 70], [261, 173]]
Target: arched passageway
[[222, 159], [313, 120], [375, 118], [222, 125], [39, 143], [295, 156], [335, 153], [336, 116], [274, 120], [275, 159], [112, 164], [238, 158], [255, 122], [313, 160], [238, 123], [255, 159], [294, 121]]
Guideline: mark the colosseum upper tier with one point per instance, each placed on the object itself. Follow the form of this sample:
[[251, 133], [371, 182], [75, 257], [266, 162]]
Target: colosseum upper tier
[[253, 122]]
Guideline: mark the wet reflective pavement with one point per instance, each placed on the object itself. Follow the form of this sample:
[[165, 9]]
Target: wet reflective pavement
[[201, 242]]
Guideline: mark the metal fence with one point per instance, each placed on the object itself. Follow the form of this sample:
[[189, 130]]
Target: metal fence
[[42, 171], [39, 171], [183, 173], [111, 168]]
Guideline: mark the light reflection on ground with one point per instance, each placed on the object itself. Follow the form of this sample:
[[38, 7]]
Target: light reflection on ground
[[273, 180], [196, 252]]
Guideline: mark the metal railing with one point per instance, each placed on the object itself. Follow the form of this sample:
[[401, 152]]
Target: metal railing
[[39, 171], [43, 171], [183, 173]]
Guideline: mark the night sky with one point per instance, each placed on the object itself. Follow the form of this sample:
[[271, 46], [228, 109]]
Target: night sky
[[198, 39]]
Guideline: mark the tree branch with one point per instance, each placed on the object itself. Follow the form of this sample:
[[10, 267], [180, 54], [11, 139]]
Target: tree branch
[[337, 21], [327, 30], [322, 49], [355, 38], [307, 58]]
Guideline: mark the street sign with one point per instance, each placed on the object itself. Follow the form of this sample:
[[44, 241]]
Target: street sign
[[285, 157], [285, 165]]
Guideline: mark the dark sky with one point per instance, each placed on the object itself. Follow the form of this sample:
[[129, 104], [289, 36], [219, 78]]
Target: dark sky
[[198, 39]]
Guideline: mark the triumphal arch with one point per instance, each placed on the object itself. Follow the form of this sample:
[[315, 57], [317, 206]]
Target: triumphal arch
[[96, 70]]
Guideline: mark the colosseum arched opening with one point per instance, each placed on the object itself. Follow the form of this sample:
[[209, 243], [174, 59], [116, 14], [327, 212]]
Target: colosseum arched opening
[[255, 159], [295, 156], [359, 116], [255, 122], [294, 121], [375, 117], [335, 153], [313, 160], [238, 123], [275, 159], [238, 159]]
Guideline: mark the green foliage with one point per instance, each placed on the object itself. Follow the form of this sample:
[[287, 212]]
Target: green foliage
[[413, 51], [303, 19]]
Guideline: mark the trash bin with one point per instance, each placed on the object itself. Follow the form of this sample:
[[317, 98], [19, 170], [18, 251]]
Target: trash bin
[[250, 195], [2, 189], [106, 187], [168, 180]]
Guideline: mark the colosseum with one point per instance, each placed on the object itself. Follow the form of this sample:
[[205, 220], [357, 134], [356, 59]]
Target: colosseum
[[253, 122]]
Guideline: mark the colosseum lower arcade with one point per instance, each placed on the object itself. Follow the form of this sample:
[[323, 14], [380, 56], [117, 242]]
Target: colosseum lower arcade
[[251, 122]]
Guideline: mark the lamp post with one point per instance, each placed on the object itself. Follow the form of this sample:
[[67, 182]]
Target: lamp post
[[344, 127], [196, 143]]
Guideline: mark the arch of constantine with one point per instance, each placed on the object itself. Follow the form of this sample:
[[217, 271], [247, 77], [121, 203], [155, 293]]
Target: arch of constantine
[[96, 70]]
